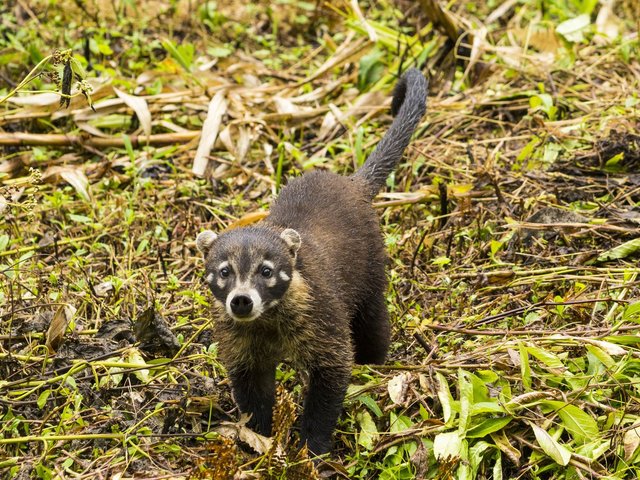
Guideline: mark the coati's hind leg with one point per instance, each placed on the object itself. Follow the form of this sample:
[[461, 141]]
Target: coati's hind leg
[[371, 331]]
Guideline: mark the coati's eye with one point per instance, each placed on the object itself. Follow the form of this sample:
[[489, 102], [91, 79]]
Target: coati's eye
[[266, 272], [224, 272]]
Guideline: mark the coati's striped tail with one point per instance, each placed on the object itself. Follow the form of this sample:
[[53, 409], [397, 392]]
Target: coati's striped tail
[[408, 107]]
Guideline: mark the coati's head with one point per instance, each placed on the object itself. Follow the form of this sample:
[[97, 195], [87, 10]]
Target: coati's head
[[249, 269]]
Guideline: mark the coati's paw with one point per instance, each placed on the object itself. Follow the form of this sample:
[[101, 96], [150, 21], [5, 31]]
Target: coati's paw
[[318, 446]]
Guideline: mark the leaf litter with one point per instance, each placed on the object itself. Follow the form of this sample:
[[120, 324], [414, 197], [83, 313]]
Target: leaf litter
[[512, 228]]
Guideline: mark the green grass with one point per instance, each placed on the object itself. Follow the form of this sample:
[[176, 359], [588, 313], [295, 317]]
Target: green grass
[[511, 227]]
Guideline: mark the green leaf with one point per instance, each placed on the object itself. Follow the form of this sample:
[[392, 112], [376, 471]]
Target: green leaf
[[177, 54], [79, 218], [135, 357], [528, 149], [621, 251], [446, 400], [601, 355], [488, 426], [544, 101], [441, 261], [551, 447], [219, 52], [487, 407], [525, 369], [466, 400], [497, 468], [484, 377], [630, 313], [548, 358], [371, 69], [476, 455], [368, 432], [105, 49], [447, 446], [573, 29], [42, 398], [399, 423], [495, 245], [424, 414], [4, 241], [578, 423], [141, 246], [613, 164], [623, 339], [594, 449], [371, 404]]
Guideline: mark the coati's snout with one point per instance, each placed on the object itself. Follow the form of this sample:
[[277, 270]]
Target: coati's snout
[[249, 269], [241, 305]]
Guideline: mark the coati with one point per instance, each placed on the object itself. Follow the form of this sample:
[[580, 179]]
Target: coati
[[308, 283]]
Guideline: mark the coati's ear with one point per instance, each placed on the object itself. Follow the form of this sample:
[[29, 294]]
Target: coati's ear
[[291, 238], [204, 240]]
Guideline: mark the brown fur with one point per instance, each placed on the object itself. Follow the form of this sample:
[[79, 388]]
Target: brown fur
[[320, 301]]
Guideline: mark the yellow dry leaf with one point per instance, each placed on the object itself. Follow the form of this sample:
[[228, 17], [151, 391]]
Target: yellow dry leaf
[[217, 108], [58, 327], [140, 106], [248, 219]]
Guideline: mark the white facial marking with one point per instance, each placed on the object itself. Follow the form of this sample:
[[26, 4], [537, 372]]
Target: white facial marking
[[245, 289], [209, 278], [220, 282], [267, 263], [284, 276], [223, 265], [271, 282]]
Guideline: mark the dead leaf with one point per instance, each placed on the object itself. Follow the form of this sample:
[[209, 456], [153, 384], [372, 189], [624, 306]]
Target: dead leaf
[[541, 37], [257, 442], [514, 356], [607, 23], [72, 175], [503, 443], [397, 388], [631, 441], [217, 108], [153, 333], [610, 348], [284, 105], [91, 130], [328, 124], [11, 165], [138, 105], [58, 326], [36, 100], [236, 140], [373, 36], [104, 289], [7, 198], [248, 219]]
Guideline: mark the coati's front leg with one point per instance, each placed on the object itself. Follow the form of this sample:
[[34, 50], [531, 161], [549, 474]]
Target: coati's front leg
[[323, 404], [254, 390]]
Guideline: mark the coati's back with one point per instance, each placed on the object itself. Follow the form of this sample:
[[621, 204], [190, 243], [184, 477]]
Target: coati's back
[[341, 242], [340, 230], [309, 282]]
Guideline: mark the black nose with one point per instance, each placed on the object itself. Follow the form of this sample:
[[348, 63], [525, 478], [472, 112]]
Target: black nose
[[241, 305]]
